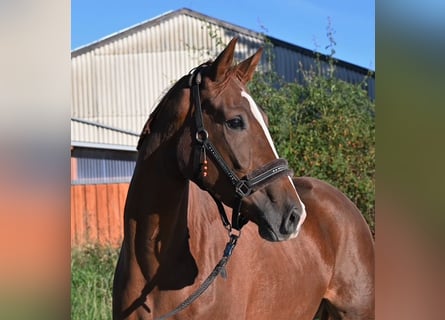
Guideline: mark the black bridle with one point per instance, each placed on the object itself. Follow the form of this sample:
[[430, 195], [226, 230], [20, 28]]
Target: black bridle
[[243, 187]]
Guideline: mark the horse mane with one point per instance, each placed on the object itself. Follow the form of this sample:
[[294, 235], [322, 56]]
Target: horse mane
[[149, 125], [147, 128]]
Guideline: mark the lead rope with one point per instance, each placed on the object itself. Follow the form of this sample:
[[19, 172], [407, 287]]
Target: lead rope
[[219, 269]]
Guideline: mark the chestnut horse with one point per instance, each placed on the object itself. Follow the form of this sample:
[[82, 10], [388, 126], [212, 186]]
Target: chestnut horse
[[304, 250]]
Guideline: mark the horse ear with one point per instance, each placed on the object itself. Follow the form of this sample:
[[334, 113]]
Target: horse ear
[[224, 61], [246, 69]]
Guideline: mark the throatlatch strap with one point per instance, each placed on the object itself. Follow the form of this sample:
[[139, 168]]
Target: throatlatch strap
[[238, 221]]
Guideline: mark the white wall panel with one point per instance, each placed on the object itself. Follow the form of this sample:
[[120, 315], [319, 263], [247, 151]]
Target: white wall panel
[[118, 80]]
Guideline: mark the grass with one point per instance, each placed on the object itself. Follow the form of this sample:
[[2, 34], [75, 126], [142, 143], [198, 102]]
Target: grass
[[92, 269]]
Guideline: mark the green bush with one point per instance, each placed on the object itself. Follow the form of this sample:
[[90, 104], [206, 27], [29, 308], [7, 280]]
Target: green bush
[[325, 129], [92, 269]]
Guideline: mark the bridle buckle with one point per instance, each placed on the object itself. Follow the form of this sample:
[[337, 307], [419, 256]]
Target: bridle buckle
[[243, 188]]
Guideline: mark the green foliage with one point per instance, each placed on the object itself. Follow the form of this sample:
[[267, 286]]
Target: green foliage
[[325, 129], [92, 269]]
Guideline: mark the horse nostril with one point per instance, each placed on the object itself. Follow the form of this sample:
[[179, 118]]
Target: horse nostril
[[290, 223]]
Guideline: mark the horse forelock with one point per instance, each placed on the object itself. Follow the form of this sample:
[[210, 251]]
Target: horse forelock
[[218, 88]]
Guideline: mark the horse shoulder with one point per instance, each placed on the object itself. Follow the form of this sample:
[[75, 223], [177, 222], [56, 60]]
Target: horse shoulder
[[334, 221], [328, 204], [340, 230]]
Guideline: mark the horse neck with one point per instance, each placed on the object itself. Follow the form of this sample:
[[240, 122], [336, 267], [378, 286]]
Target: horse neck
[[158, 198], [169, 211], [155, 227]]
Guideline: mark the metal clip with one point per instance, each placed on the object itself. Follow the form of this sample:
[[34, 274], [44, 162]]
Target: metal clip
[[230, 245], [202, 135]]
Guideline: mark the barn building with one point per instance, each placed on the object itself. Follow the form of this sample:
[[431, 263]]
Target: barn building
[[118, 80]]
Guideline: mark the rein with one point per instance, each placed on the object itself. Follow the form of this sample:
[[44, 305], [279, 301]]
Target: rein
[[242, 187]]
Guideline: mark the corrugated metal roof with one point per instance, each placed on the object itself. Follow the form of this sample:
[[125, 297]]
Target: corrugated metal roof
[[118, 80]]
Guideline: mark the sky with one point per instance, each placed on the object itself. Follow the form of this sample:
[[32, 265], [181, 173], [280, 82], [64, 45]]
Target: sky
[[301, 22]]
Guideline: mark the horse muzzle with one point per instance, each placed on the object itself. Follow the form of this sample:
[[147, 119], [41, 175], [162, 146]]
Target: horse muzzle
[[277, 219], [288, 228]]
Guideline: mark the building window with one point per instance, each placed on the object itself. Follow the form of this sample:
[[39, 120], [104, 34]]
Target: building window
[[93, 166]]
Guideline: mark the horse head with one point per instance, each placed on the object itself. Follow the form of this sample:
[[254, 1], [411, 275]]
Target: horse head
[[225, 114], [222, 143]]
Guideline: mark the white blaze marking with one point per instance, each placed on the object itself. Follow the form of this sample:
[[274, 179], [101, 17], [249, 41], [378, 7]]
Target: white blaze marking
[[259, 117], [256, 112]]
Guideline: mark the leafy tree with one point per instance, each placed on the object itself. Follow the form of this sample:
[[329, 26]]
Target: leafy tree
[[325, 128]]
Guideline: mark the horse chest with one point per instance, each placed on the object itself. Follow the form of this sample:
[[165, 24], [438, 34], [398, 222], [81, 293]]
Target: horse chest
[[264, 281]]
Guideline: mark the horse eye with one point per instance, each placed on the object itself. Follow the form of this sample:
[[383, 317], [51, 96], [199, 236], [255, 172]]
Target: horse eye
[[235, 123]]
